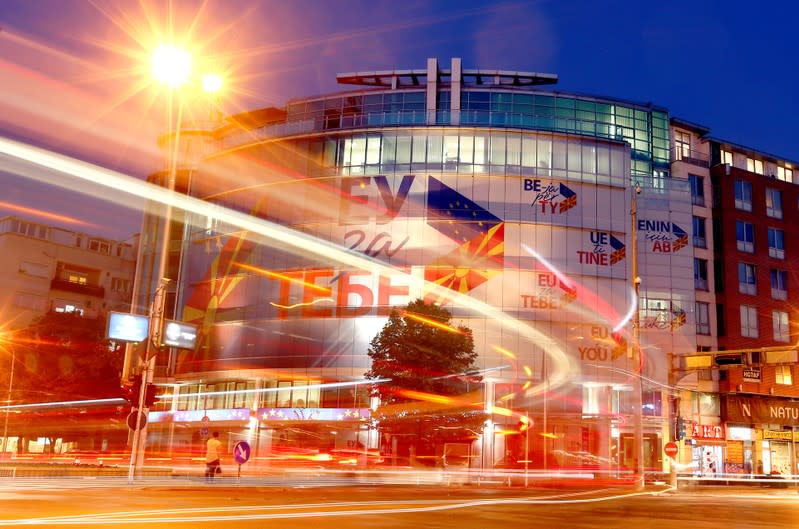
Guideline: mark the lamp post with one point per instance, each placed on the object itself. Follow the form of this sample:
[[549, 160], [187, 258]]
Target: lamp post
[[636, 347], [171, 66], [8, 400]]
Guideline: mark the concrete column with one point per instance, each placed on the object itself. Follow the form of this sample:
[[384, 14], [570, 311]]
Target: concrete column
[[432, 90], [455, 106]]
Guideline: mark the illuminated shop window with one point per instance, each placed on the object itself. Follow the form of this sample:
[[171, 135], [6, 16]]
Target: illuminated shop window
[[783, 375]]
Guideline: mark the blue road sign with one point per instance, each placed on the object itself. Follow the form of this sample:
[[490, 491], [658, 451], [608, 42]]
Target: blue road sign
[[241, 452]]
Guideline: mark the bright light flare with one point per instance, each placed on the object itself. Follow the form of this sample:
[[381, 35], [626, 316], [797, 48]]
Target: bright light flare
[[212, 83], [171, 65], [432, 323]]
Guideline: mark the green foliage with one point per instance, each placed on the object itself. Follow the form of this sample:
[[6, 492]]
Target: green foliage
[[436, 359], [64, 357]]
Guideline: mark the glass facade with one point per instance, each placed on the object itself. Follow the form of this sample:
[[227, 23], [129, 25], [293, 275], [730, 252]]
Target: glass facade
[[512, 211]]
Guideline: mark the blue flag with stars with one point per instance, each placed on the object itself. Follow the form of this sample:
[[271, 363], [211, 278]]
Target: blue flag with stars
[[454, 215]]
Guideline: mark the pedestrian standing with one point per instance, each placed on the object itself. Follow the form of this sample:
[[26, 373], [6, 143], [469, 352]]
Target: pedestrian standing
[[212, 456]]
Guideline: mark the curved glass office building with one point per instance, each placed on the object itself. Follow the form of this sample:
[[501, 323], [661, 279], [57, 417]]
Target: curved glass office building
[[507, 202]]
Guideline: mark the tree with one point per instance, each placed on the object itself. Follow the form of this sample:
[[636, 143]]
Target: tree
[[435, 393], [64, 356]]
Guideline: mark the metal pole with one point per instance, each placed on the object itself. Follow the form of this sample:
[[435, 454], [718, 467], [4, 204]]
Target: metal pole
[[8, 401], [140, 435], [526, 453], [545, 430], [636, 345]]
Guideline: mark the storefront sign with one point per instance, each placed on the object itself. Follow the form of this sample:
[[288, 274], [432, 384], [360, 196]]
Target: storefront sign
[[777, 434], [751, 374], [707, 431], [747, 410]]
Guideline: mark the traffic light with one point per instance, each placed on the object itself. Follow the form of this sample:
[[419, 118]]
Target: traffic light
[[131, 391], [524, 424], [679, 429], [149, 395]]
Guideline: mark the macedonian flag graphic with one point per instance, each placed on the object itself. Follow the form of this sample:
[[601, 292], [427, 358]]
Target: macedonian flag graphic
[[481, 238]]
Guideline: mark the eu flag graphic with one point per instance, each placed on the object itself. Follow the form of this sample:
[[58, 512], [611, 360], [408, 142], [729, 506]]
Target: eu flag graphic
[[680, 238], [454, 215], [619, 252], [569, 198], [481, 234]]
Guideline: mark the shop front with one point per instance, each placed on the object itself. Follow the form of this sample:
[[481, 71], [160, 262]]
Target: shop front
[[775, 426], [707, 449]]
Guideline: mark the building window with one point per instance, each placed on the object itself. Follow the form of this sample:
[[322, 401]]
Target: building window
[[743, 195], [785, 174], [776, 243], [119, 284], [34, 269], [783, 375], [682, 145], [754, 166], [702, 318], [26, 300], [100, 246], [697, 189], [700, 274], [749, 321], [779, 284], [700, 234], [773, 203], [77, 277], [745, 236], [68, 306], [779, 320], [746, 279], [726, 157]]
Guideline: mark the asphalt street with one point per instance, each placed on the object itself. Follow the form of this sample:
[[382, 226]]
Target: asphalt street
[[165, 503]]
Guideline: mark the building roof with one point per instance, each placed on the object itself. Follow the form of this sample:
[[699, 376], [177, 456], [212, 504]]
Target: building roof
[[750, 150]]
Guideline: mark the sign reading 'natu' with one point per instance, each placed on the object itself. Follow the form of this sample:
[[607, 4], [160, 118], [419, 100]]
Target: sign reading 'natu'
[[769, 411]]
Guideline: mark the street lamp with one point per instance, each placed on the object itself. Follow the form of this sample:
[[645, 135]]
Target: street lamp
[[636, 345], [10, 387], [172, 67]]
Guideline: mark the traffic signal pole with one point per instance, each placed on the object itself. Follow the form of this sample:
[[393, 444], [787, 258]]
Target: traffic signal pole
[[150, 350]]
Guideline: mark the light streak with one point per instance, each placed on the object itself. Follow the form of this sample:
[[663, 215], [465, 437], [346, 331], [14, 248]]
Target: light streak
[[626, 318], [283, 277], [314, 510], [432, 323], [314, 302], [63, 403], [43, 214], [119, 188], [505, 352]]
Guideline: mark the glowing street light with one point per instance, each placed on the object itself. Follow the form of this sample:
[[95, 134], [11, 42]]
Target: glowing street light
[[212, 83], [171, 65]]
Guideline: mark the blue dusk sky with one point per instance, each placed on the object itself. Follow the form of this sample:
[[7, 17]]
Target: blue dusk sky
[[75, 74]]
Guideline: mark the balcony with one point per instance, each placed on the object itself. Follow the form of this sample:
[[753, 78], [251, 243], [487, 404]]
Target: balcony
[[690, 156], [77, 288]]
